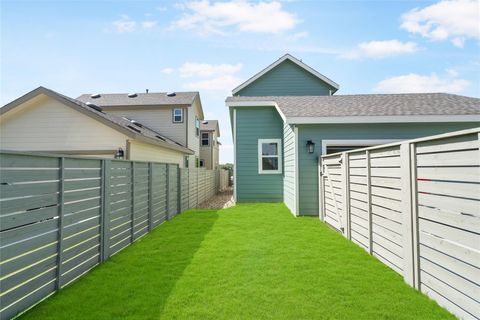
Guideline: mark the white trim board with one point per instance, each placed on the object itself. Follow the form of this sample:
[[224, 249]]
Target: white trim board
[[359, 142], [297, 189], [235, 155], [279, 61]]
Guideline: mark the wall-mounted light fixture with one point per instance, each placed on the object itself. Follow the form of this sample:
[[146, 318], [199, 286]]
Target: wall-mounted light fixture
[[120, 154], [310, 146]]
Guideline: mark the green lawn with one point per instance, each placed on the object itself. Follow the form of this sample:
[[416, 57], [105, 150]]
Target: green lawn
[[253, 261]]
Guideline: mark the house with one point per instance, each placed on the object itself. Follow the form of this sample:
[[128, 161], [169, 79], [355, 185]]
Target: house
[[176, 115], [46, 121], [209, 144], [286, 116]]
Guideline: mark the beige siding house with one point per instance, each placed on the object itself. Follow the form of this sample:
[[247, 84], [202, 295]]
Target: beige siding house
[[209, 144], [175, 115], [46, 121]]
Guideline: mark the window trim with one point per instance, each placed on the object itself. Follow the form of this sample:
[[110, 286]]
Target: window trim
[[201, 139], [197, 126], [173, 115], [279, 156]]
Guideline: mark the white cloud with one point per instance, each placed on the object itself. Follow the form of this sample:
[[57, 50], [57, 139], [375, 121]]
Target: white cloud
[[220, 83], [149, 24], [124, 24], [205, 70], [220, 77], [412, 83], [381, 49], [167, 70], [452, 72], [455, 20], [261, 17]]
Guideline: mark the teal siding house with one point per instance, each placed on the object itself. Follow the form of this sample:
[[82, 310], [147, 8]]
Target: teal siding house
[[287, 115]]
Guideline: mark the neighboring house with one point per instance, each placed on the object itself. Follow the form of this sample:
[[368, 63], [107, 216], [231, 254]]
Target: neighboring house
[[46, 121], [209, 144], [286, 116], [176, 115]]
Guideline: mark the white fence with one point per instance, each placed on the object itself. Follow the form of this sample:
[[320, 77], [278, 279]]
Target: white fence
[[414, 205], [224, 176]]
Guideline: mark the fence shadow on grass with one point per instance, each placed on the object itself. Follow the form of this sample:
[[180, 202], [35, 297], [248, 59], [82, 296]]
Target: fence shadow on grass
[[136, 282]]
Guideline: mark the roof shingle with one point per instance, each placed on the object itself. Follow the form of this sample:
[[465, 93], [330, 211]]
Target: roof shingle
[[141, 99], [371, 104]]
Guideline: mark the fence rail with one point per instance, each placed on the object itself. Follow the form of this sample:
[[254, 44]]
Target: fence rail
[[414, 205], [61, 216]]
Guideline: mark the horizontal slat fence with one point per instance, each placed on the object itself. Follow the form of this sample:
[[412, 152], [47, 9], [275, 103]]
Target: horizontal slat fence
[[62, 216], [414, 205]]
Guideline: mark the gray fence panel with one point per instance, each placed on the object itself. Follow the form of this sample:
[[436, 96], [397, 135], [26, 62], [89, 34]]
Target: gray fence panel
[[86, 210], [172, 190], [159, 193], [414, 205]]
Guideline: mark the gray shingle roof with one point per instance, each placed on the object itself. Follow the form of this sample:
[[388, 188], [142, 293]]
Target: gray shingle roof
[[142, 99], [208, 125], [114, 121], [371, 104]]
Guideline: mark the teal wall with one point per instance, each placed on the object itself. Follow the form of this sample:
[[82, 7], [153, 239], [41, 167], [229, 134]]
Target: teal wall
[[308, 165], [286, 79], [253, 123]]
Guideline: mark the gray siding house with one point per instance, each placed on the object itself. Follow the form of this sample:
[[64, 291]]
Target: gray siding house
[[176, 115], [209, 144], [286, 116]]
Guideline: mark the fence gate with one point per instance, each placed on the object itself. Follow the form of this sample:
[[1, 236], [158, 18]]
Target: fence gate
[[333, 197]]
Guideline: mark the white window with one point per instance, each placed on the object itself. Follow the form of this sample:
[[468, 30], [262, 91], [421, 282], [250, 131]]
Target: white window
[[177, 115], [269, 156], [202, 163], [205, 139], [197, 127]]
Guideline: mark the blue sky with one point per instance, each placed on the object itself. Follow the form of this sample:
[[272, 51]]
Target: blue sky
[[76, 47]]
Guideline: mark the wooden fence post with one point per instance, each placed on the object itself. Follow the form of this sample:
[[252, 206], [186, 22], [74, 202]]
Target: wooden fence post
[[132, 216], [198, 187], [406, 207], [60, 222], [320, 189], [167, 191], [179, 190], [369, 202], [150, 196], [346, 195], [105, 225], [414, 217]]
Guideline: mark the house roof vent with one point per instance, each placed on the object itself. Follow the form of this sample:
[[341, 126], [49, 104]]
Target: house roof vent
[[138, 124], [171, 94], [94, 106], [95, 96], [132, 95], [204, 122]]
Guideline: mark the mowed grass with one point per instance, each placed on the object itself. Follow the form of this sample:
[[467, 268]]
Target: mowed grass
[[252, 261]]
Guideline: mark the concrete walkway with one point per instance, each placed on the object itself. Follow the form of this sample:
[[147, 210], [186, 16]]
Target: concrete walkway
[[222, 200]]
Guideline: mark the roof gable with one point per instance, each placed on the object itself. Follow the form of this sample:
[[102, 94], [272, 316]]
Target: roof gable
[[287, 76], [120, 124], [210, 125]]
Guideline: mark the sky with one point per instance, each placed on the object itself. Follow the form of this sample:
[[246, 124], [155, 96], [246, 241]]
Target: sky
[[76, 47]]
